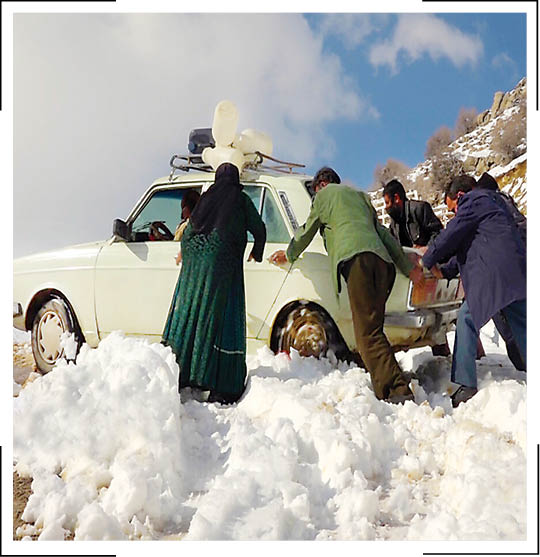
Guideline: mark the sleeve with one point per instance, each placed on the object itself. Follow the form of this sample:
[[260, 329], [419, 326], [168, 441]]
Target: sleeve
[[431, 222], [256, 226], [450, 269], [303, 236], [393, 231], [460, 229]]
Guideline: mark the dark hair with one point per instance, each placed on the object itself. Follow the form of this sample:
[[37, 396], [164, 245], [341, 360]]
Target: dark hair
[[393, 187], [325, 174], [190, 199], [487, 182], [459, 183]]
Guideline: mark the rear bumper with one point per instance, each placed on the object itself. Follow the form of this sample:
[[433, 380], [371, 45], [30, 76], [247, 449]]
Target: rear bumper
[[422, 318]]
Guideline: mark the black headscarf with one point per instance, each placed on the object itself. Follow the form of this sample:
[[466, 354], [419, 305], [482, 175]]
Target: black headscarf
[[219, 203]]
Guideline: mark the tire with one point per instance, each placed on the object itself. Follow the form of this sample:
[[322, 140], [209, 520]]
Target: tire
[[53, 318], [306, 330]]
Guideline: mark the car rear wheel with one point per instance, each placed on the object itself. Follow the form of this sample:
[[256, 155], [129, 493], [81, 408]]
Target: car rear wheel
[[52, 320], [304, 330]]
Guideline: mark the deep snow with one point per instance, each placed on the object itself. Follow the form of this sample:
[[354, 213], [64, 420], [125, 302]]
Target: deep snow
[[308, 453]]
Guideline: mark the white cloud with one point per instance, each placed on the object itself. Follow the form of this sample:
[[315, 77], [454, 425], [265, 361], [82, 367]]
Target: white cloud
[[502, 60], [102, 101], [352, 29], [416, 35]]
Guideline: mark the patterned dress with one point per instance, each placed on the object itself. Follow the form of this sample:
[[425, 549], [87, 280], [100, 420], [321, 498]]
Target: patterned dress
[[206, 325]]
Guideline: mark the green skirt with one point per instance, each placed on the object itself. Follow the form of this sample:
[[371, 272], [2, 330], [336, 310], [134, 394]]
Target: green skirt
[[206, 325]]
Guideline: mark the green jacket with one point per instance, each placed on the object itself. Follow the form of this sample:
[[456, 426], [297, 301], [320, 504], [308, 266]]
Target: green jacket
[[349, 226]]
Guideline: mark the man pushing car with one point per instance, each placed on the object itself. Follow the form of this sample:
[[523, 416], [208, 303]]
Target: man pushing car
[[364, 252]]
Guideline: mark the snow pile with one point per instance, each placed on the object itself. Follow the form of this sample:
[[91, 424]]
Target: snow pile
[[21, 337], [22, 359], [308, 453]]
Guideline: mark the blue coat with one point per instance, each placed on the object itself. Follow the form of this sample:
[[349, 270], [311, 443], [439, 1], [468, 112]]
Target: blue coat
[[489, 252]]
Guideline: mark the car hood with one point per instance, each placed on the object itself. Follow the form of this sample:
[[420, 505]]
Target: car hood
[[76, 254]]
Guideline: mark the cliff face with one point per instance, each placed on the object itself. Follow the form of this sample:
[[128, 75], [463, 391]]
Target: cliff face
[[504, 101], [497, 145]]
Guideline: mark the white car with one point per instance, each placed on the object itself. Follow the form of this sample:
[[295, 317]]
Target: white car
[[126, 282]]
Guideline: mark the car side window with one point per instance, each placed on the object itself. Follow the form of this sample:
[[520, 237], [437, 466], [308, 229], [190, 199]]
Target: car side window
[[276, 230], [254, 193], [164, 206]]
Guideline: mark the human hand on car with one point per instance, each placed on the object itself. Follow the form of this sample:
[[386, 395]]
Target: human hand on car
[[436, 272], [421, 249], [178, 258], [278, 258], [417, 275]]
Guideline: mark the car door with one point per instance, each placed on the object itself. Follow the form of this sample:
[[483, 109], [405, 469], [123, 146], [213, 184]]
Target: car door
[[264, 280], [135, 280]]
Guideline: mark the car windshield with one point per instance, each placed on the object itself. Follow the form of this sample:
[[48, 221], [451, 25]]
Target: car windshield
[[164, 206]]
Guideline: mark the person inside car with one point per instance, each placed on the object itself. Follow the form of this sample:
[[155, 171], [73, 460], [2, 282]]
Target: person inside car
[[190, 199]]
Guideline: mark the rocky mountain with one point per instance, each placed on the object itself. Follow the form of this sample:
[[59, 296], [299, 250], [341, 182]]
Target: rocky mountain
[[497, 145]]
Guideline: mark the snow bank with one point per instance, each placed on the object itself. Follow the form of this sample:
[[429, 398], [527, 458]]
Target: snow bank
[[308, 453], [21, 337]]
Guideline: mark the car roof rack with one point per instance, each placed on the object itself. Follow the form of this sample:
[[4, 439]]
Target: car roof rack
[[195, 162]]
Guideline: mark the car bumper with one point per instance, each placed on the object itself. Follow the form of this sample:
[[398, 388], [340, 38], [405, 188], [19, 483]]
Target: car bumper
[[18, 316], [422, 318]]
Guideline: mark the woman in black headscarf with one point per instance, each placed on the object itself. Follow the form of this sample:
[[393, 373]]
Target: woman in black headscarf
[[206, 326]]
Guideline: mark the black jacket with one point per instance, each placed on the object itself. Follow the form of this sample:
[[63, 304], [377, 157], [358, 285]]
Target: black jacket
[[421, 224], [517, 216]]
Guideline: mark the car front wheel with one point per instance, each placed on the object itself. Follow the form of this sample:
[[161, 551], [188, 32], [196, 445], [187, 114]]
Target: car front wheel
[[52, 320]]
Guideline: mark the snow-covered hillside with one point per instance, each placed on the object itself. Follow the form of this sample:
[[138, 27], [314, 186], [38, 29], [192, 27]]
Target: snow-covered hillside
[[308, 453]]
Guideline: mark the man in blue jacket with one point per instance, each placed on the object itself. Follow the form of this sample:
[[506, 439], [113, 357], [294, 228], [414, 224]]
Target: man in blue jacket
[[484, 244], [487, 182]]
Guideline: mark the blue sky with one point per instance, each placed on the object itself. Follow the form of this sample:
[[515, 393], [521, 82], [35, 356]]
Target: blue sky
[[102, 101], [418, 96]]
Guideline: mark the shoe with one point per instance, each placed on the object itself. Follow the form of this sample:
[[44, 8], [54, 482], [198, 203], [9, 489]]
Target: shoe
[[441, 350], [223, 398], [463, 394], [399, 399]]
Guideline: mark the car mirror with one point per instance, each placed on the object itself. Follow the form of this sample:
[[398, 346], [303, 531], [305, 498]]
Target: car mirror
[[121, 230]]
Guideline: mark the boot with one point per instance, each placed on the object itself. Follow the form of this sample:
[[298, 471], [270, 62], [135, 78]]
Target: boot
[[441, 349], [399, 398], [463, 394], [399, 395]]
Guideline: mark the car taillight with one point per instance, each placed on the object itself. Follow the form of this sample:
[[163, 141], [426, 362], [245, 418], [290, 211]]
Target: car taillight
[[424, 294]]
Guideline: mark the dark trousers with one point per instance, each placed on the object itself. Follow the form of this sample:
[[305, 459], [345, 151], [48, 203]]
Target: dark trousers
[[369, 282], [512, 348]]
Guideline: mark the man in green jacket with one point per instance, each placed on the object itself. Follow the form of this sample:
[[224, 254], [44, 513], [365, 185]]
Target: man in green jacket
[[364, 252]]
